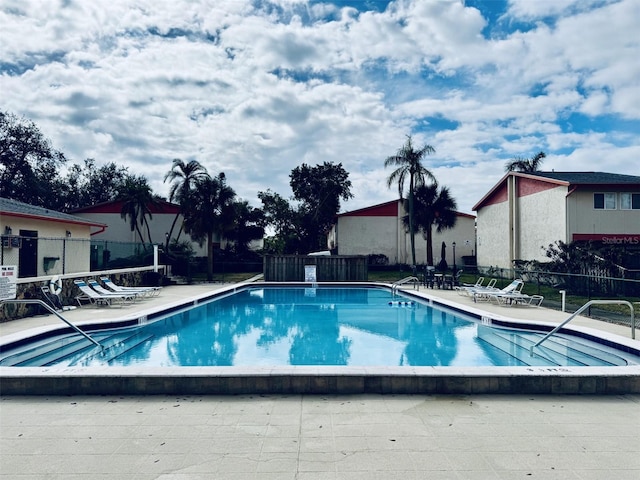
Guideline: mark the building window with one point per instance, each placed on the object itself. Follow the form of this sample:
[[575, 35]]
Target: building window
[[630, 201], [604, 201]]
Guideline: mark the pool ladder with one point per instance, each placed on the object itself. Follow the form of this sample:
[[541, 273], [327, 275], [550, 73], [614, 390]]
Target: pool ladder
[[404, 281], [582, 309]]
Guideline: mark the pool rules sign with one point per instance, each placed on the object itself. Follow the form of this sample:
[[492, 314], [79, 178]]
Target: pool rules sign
[[8, 280]]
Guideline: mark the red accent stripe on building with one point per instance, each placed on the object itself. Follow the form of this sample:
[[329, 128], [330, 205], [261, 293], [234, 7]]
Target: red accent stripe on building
[[499, 195], [389, 209], [529, 186]]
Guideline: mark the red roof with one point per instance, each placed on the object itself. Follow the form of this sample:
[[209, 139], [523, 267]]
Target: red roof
[[115, 206], [387, 209]]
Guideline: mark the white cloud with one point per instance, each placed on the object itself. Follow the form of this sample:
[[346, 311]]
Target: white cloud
[[254, 93]]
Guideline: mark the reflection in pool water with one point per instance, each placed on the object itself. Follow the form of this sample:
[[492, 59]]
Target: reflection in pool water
[[301, 326]]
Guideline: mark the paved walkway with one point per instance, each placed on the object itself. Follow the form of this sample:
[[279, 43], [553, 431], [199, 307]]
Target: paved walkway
[[316, 437]]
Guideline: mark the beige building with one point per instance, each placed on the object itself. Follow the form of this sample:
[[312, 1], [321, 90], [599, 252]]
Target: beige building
[[162, 216], [379, 229], [526, 212], [44, 242]]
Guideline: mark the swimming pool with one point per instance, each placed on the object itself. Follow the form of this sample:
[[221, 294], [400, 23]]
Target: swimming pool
[[334, 326], [271, 341]]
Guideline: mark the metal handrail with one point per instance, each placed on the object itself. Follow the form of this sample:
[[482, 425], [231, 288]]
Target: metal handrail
[[582, 309], [395, 286], [41, 303]]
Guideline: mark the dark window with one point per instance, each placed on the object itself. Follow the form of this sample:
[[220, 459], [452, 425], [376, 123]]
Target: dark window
[[630, 201], [606, 201]]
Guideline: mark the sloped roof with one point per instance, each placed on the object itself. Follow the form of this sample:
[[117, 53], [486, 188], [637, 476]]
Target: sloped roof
[[115, 206], [20, 209], [591, 178], [386, 209], [567, 179]]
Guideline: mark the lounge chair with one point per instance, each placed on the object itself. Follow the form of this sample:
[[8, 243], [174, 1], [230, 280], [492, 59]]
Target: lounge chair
[[103, 291], [149, 291], [470, 290], [461, 288], [97, 299], [516, 298], [54, 300], [486, 295]]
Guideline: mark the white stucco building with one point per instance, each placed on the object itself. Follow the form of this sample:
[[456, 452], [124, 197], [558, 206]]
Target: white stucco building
[[526, 212], [379, 229], [44, 242]]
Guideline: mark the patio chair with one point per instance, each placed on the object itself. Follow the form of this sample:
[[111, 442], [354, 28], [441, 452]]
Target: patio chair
[[148, 291], [97, 299], [485, 295]]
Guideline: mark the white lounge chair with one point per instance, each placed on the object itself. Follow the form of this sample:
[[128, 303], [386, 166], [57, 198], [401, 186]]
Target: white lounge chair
[[516, 298], [133, 296], [97, 299], [486, 295], [471, 290], [461, 289], [149, 291]]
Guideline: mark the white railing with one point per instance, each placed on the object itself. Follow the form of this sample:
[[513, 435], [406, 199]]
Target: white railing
[[404, 281], [582, 309]]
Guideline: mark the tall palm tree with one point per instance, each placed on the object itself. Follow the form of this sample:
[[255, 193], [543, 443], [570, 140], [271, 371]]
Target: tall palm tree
[[137, 198], [183, 178], [434, 208], [209, 205], [409, 166], [525, 165]]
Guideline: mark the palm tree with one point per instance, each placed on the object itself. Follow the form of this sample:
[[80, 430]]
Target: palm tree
[[525, 165], [137, 198], [434, 208], [409, 165], [208, 210], [183, 178]]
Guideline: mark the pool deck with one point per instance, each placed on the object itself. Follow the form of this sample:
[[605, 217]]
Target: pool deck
[[313, 437]]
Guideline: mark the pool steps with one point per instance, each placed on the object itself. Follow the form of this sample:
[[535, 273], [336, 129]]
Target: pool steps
[[552, 354], [68, 347], [555, 352]]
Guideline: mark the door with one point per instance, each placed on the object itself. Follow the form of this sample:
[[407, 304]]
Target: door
[[28, 266]]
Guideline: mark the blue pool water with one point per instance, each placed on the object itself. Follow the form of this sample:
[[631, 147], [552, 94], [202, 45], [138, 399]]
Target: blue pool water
[[313, 326]]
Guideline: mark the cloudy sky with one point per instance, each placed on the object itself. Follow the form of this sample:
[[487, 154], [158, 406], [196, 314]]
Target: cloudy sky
[[255, 88]]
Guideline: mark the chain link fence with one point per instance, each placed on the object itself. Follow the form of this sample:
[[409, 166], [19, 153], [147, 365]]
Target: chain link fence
[[41, 256]]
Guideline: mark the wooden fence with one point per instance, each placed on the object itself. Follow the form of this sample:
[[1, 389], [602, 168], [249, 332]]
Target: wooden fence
[[334, 268]]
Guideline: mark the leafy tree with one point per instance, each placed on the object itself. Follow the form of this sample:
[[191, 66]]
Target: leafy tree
[[90, 185], [28, 163], [280, 217], [319, 190], [207, 208], [434, 207], [183, 178], [244, 226], [137, 199], [525, 165], [408, 163]]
